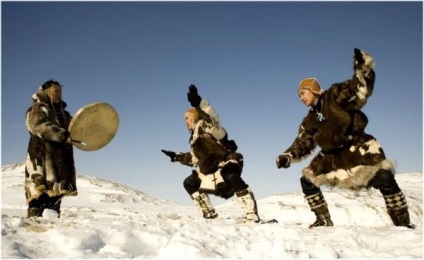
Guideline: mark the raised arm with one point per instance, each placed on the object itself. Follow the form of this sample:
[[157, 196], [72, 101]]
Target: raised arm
[[353, 94], [207, 113]]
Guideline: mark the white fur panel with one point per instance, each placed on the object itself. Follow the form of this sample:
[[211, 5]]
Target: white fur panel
[[30, 167], [364, 69], [208, 109], [27, 123], [44, 109], [194, 159], [355, 177], [209, 181], [339, 174], [362, 92], [302, 130], [373, 147], [369, 61]]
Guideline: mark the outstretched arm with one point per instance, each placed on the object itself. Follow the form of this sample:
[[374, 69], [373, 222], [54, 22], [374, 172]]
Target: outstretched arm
[[302, 147], [183, 158]]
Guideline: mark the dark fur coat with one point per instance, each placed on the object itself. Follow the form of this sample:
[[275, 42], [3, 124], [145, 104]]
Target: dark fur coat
[[50, 164], [349, 157], [211, 152], [210, 147]]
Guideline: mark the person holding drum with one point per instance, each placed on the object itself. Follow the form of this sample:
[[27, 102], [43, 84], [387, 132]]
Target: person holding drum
[[50, 169]]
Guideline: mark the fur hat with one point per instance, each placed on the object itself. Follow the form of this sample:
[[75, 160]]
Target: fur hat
[[310, 84], [193, 112]]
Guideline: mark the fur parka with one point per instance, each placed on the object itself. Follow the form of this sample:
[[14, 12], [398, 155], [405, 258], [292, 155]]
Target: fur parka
[[210, 147], [50, 164], [212, 153], [349, 157]]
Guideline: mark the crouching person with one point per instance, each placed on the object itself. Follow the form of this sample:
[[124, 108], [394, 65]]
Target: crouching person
[[218, 165]]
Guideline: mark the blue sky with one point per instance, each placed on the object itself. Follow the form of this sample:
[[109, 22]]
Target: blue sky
[[246, 58]]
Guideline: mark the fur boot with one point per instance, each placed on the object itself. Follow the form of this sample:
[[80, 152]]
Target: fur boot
[[202, 201], [398, 209], [35, 212], [248, 203], [319, 207]]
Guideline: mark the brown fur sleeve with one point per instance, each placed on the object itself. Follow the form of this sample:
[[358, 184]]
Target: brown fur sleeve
[[40, 124], [303, 145], [184, 158], [353, 94]]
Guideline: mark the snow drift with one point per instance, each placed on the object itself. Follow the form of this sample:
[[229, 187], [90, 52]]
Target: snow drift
[[109, 220]]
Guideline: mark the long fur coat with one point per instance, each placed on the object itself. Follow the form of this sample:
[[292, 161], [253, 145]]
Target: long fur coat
[[50, 164], [349, 157]]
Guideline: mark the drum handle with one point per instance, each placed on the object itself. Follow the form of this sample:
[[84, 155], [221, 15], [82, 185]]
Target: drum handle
[[78, 142]]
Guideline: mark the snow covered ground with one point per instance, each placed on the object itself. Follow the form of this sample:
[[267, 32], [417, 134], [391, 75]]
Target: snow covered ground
[[108, 220]]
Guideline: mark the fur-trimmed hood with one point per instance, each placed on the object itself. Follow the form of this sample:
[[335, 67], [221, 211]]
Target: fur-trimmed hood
[[40, 96]]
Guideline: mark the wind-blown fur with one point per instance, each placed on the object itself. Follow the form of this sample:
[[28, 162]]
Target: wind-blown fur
[[349, 158], [50, 165]]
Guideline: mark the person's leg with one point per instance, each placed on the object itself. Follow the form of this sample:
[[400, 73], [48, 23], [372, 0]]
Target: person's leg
[[192, 183], [247, 201], [231, 173], [36, 206], [396, 205], [200, 199], [54, 204], [317, 203]]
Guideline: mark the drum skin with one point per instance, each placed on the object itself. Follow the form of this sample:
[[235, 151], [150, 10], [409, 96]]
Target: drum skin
[[94, 126]]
